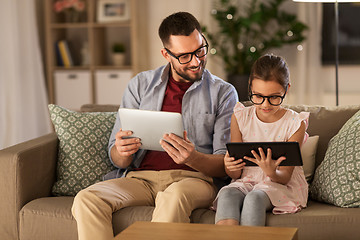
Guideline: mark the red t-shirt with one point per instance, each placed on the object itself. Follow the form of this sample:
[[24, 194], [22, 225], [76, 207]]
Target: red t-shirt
[[158, 160]]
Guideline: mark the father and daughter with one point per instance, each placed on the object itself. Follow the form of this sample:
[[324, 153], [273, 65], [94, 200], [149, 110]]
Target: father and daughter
[[181, 178]]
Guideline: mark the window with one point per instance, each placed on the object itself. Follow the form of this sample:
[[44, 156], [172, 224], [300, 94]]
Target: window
[[349, 33]]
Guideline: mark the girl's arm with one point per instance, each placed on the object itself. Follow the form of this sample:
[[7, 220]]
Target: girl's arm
[[233, 167], [278, 174], [283, 173], [235, 134]]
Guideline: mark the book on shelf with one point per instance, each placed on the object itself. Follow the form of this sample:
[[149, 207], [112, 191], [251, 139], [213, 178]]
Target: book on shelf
[[65, 58], [59, 60]]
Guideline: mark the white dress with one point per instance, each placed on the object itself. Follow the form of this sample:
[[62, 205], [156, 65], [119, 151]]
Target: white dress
[[287, 198]]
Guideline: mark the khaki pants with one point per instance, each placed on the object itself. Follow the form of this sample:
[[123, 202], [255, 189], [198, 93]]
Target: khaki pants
[[174, 193]]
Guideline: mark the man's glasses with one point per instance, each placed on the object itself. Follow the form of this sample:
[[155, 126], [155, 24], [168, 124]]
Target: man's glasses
[[274, 100], [187, 57]]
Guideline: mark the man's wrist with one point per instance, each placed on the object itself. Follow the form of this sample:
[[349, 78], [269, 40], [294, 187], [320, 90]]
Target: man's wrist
[[192, 158], [118, 160]]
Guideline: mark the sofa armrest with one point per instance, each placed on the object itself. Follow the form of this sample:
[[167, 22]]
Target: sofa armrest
[[27, 172]]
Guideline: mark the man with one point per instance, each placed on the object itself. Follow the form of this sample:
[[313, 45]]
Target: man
[[178, 180]]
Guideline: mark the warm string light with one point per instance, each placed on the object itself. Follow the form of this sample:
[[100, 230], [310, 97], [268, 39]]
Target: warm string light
[[252, 49]]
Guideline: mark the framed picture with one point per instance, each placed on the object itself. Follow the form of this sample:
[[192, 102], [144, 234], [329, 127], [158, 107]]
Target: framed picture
[[113, 10]]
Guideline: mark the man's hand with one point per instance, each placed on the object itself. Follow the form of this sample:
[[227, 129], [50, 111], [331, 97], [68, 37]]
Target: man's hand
[[126, 146], [181, 150]]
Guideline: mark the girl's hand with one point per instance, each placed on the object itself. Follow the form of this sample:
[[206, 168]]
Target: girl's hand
[[265, 162], [233, 167]]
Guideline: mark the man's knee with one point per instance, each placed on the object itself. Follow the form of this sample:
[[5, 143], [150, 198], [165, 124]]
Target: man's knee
[[81, 197], [85, 199], [191, 190], [175, 192]]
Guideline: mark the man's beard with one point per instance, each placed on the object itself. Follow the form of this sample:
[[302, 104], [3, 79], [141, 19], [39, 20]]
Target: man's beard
[[185, 76]]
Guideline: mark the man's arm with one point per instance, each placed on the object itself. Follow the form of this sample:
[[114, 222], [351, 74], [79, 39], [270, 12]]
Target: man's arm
[[124, 148], [120, 150], [211, 165], [182, 151]]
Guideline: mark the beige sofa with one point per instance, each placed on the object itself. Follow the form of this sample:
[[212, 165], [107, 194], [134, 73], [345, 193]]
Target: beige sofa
[[29, 211]]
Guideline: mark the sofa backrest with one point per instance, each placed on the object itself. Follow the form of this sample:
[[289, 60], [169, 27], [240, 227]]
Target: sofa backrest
[[324, 121], [99, 108]]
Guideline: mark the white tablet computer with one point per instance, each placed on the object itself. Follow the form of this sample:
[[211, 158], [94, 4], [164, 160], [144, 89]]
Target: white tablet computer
[[150, 126], [290, 150]]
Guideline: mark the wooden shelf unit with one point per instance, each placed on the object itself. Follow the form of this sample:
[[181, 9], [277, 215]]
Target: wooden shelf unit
[[99, 36]]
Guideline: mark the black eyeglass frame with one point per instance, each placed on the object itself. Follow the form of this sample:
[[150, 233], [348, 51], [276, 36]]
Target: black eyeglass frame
[[191, 53], [268, 98]]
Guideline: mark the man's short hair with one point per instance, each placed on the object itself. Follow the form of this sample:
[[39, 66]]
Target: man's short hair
[[180, 23]]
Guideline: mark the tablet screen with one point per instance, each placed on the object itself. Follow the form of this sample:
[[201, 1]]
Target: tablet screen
[[290, 150]]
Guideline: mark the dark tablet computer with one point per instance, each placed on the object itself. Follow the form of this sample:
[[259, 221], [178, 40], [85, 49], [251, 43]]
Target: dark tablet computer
[[290, 150]]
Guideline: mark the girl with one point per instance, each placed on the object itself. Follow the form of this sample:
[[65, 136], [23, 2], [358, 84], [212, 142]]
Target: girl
[[254, 190]]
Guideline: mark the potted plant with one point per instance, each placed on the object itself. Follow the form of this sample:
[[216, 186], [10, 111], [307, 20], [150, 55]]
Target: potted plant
[[118, 54], [72, 9], [248, 30]]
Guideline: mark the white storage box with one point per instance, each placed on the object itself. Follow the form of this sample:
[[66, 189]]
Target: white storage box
[[72, 88], [110, 85]]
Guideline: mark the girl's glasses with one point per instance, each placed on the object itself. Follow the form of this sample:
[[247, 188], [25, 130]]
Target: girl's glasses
[[274, 100]]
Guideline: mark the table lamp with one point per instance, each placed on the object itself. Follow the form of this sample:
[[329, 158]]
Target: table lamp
[[336, 38]]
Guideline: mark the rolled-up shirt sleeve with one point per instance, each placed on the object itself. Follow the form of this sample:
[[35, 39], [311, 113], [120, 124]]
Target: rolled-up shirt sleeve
[[223, 118], [130, 99]]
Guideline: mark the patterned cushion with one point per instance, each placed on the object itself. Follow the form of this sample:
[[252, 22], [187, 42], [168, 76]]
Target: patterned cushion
[[337, 179], [83, 155]]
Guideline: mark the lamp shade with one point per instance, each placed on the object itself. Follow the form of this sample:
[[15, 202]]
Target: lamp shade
[[326, 1]]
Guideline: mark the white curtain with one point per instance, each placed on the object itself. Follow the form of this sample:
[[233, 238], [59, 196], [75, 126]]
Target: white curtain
[[306, 70], [23, 99]]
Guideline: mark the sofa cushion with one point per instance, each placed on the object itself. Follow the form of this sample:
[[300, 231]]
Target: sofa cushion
[[82, 156], [337, 179], [320, 221], [50, 218], [308, 153]]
